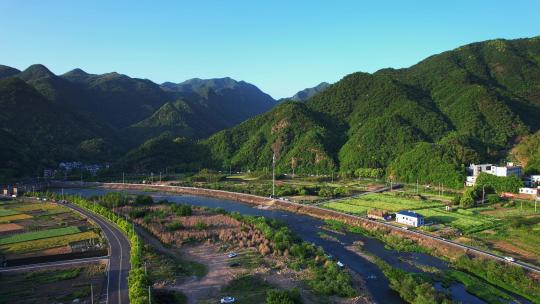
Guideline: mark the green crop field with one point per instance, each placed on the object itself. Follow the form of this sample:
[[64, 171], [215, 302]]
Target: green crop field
[[47, 243], [30, 236], [464, 220], [7, 212], [390, 202]]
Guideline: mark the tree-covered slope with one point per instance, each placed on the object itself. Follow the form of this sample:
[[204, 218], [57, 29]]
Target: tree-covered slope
[[473, 103], [527, 153], [300, 138], [36, 132]]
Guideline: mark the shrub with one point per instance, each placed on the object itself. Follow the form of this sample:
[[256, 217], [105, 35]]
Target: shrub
[[275, 296], [201, 226], [143, 200], [326, 192], [181, 209]]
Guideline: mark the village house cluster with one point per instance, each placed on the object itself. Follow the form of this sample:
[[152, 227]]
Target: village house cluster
[[532, 182], [68, 167]]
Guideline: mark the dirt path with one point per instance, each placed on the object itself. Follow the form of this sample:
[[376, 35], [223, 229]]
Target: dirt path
[[219, 273]]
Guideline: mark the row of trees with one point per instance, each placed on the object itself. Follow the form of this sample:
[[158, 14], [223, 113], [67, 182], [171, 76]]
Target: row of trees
[[138, 281]]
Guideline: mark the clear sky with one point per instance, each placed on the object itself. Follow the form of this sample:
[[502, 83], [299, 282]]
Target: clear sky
[[280, 46]]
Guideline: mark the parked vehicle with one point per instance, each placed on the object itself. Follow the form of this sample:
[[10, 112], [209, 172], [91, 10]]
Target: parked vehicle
[[232, 255], [340, 264], [227, 300], [509, 259]]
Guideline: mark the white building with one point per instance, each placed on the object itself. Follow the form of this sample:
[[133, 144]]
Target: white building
[[410, 218], [535, 179], [530, 191], [475, 170]]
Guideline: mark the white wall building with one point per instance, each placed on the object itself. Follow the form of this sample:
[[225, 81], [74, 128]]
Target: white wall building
[[410, 218], [475, 170]]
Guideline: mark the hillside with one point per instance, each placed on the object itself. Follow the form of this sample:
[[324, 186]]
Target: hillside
[[527, 152], [472, 103], [36, 132]]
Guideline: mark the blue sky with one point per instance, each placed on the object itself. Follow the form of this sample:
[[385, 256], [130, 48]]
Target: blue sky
[[280, 46]]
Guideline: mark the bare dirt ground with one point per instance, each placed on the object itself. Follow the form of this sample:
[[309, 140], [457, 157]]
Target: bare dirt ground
[[219, 273], [8, 228]]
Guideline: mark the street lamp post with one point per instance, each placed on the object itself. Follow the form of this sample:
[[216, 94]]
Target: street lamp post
[[274, 175]]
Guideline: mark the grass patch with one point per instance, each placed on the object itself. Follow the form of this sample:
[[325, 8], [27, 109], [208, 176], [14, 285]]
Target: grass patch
[[247, 289], [30, 236], [42, 277]]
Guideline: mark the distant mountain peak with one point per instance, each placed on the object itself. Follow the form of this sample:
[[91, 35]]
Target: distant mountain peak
[[307, 93], [76, 72], [36, 71]]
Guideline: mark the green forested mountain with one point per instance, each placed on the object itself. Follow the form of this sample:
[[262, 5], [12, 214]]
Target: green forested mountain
[[469, 104], [479, 102], [36, 132], [45, 118], [225, 101]]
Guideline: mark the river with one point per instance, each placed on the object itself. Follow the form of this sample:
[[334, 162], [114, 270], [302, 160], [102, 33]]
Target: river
[[309, 229]]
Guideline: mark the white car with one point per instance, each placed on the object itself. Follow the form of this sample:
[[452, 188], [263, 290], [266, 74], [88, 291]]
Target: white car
[[232, 255], [509, 259], [340, 264], [227, 300]]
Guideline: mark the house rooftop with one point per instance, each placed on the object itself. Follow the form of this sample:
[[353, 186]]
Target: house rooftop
[[410, 214]]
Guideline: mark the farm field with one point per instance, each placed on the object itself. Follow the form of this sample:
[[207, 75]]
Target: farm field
[[30, 236], [31, 229], [464, 220], [60, 285], [385, 201]]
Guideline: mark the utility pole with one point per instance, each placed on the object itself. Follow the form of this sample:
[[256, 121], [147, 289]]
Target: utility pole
[[483, 193], [160, 177], [92, 293], [123, 178], [274, 175], [390, 185], [149, 295], [417, 186]]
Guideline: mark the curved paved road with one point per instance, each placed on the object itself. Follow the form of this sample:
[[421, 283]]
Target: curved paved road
[[119, 265]]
